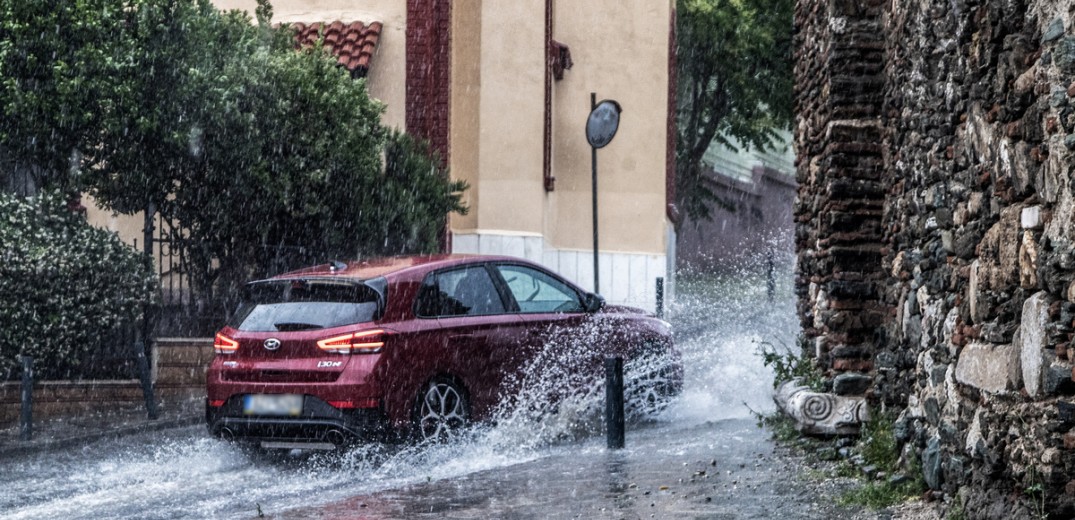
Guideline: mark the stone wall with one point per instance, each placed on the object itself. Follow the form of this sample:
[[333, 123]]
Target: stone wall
[[841, 197], [972, 278], [178, 375]]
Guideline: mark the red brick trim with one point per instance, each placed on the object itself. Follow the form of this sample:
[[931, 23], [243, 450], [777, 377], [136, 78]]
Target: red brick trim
[[429, 62], [670, 146], [550, 181]]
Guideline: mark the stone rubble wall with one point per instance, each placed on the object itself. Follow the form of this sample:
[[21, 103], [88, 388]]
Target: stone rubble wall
[[970, 293]]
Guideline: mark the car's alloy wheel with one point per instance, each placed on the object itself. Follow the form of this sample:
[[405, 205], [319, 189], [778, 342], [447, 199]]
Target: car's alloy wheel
[[650, 392], [648, 395], [442, 410]]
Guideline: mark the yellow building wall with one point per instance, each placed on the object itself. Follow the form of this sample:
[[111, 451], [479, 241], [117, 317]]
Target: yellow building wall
[[128, 227], [466, 102], [619, 54], [512, 115], [620, 51], [497, 121]]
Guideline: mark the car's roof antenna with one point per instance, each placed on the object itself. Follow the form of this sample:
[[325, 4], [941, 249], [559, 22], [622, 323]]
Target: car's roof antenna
[[336, 265]]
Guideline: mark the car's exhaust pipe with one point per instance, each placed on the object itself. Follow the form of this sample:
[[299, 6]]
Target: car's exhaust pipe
[[227, 435], [336, 437]]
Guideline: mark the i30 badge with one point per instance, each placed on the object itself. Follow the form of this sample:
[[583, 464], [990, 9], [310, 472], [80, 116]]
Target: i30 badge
[[272, 344]]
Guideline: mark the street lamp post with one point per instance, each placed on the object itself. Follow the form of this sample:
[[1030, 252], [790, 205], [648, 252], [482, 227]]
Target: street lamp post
[[601, 127]]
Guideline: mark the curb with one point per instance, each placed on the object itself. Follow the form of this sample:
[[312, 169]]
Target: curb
[[20, 448]]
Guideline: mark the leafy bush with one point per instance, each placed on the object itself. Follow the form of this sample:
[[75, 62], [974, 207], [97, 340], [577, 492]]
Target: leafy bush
[[413, 182], [878, 442], [788, 365], [882, 494], [66, 286]]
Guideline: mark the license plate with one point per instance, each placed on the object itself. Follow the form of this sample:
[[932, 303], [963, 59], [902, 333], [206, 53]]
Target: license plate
[[272, 404]]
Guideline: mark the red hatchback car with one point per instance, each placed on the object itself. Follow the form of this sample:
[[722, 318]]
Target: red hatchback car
[[411, 346]]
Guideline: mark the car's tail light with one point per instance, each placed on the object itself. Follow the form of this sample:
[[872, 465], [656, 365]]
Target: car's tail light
[[225, 345], [364, 342]]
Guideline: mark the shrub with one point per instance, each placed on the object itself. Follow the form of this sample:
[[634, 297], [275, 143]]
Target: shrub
[[788, 365], [67, 287]]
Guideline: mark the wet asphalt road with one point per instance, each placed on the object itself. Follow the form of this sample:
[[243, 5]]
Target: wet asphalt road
[[721, 470]]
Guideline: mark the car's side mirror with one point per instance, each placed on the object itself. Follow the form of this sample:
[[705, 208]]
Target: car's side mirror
[[593, 302]]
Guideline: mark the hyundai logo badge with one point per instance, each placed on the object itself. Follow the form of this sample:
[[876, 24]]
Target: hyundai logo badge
[[272, 344]]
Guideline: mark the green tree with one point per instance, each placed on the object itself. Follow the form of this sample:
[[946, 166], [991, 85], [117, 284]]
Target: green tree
[[288, 171], [263, 158], [260, 156], [172, 87], [56, 60], [734, 80], [414, 182]]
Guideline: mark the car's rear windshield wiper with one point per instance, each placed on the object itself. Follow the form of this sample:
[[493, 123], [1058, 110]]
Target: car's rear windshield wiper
[[289, 326]]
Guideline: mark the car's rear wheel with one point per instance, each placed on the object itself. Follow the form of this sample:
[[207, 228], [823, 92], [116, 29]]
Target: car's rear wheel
[[442, 410]]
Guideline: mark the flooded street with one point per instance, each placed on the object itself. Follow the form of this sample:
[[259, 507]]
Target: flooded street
[[725, 469], [701, 457], [715, 470]]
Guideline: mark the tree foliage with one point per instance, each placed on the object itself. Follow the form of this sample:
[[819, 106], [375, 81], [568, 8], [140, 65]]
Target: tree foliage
[[67, 286], [259, 156], [734, 82], [56, 58], [173, 86], [410, 169]]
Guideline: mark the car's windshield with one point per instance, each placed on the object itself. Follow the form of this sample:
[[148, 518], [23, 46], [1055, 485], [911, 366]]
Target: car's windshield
[[290, 305]]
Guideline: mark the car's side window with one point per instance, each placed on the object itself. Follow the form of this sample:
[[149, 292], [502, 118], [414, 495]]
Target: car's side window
[[536, 291], [459, 292], [428, 302]]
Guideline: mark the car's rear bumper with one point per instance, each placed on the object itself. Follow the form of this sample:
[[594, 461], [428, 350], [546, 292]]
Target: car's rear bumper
[[318, 422]]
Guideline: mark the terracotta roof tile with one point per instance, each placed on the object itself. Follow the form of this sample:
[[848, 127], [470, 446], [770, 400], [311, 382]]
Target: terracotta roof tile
[[353, 43]]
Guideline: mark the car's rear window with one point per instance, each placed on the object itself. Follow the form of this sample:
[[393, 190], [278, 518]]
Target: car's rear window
[[290, 305]]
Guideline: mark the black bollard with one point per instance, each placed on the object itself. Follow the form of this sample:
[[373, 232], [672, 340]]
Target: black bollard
[[770, 278], [614, 402], [660, 297], [147, 381], [26, 421]]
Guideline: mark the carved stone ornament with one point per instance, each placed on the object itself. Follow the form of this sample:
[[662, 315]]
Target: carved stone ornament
[[817, 413]]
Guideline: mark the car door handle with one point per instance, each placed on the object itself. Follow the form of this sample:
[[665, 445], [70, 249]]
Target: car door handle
[[461, 338]]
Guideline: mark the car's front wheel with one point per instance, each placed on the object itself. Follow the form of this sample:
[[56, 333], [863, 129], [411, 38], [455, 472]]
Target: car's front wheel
[[653, 381], [442, 410]]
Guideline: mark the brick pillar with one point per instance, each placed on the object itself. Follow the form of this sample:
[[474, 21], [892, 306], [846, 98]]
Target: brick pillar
[[429, 80], [839, 93], [429, 60]]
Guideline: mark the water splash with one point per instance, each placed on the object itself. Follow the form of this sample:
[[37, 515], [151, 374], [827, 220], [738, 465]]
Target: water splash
[[723, 322]]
